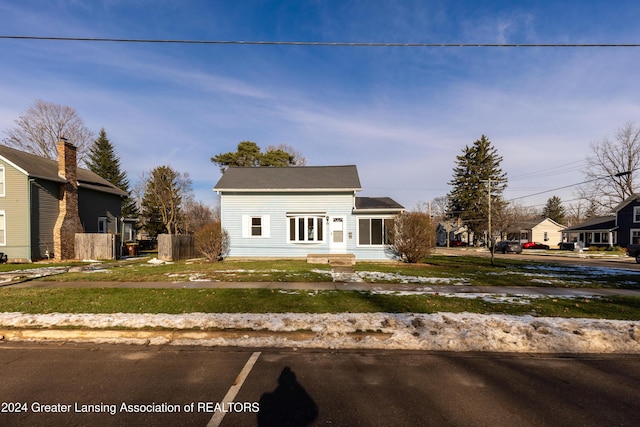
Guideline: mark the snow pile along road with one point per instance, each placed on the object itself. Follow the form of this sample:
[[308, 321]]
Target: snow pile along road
[[440, 331]]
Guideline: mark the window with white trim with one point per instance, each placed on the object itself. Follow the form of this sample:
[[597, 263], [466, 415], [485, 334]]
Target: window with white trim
[[636, 214], [635, 237], [374, 231], [255, 226], [308, 229], [3, 229]]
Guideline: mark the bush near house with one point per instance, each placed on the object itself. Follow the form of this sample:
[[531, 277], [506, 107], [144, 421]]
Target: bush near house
[[413, 236], [212, 241]]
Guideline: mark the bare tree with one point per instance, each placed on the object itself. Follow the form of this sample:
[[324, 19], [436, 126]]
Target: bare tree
[[438, 208], [412, 237], [611, 167], [163, 200], [39, 129], [510, 218], [298, 158], [196, 215]]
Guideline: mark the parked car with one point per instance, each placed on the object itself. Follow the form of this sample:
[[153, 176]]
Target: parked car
[[634, 251], [508, 246], [567, 246], [534, 245], [457, 243]]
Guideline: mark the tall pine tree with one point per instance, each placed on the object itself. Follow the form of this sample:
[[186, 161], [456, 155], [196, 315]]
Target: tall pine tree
[[475, 168], [104, 162], [554, 210]]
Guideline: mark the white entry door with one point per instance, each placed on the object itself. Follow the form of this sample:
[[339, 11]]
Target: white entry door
[[337, 234]]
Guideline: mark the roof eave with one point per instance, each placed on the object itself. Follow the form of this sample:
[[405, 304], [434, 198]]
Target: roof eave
[[378, 211], [287, 190]]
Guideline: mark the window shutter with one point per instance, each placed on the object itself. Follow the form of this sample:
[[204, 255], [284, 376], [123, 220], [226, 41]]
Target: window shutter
[[246, 225], [266, 226]]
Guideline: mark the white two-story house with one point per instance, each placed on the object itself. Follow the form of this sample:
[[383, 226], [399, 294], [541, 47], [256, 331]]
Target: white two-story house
[[292, 212]]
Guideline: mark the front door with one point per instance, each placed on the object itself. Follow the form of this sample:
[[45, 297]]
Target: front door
[[337, 234]]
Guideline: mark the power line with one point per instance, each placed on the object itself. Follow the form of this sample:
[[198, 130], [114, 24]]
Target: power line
[[573, 185], [323, 43], [554, 170]]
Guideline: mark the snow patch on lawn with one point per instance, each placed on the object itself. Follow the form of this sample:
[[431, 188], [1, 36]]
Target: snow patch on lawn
[[439, 331]]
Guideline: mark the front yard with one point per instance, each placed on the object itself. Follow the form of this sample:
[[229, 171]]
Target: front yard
[[443, 270]]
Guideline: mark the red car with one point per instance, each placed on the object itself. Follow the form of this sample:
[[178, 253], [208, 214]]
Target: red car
[[534, 245], [457, 243]]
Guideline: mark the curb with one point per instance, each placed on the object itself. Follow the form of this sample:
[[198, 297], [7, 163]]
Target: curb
[[240, 338]]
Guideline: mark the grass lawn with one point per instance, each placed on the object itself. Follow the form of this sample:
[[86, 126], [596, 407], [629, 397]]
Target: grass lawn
[[177, 301], [437, 269]]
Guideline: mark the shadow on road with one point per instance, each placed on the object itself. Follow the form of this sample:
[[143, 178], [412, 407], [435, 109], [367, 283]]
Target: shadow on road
[[289, 405]]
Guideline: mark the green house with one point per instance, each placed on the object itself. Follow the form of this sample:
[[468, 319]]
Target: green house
[[38, 195]]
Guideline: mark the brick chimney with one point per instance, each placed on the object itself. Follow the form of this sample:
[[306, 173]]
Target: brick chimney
[[68, 222]]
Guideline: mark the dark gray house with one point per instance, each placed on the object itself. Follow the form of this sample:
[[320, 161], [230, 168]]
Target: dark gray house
[[43, 203], [621, 228]]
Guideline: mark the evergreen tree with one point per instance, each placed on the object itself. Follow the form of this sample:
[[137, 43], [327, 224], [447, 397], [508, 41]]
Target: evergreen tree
[[477, 170], [102, 160], [249, 154], [554, 210]]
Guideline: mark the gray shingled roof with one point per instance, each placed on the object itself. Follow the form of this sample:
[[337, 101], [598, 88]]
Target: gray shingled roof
[[310, 178], [607, 222], [377, 204], [39, 167]]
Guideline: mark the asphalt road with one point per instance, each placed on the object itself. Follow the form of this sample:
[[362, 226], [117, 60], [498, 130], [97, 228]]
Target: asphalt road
[[158, 386]]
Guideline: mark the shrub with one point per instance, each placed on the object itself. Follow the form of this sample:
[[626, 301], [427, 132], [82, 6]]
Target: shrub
[[412, 237], [212, 241]]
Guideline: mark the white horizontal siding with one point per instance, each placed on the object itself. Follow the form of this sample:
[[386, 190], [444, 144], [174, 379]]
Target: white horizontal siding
[[275, 206]]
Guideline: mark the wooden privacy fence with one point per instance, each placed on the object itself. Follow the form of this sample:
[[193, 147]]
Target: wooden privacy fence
[[173, 247], [96, 246]]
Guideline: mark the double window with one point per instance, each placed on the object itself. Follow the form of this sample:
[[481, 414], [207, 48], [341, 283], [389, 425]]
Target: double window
[[306, 229], [374, 231]]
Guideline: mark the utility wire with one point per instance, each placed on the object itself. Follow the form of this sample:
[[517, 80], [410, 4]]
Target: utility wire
[[312, 43], [573, 185]]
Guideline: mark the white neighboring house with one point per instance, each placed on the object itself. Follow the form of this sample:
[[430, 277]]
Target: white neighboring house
[[545, 231], [292, 212]]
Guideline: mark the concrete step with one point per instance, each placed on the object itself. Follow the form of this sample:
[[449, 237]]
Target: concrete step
[[332, 259]]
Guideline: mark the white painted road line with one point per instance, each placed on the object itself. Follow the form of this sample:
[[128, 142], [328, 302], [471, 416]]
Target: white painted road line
[[234, 389]]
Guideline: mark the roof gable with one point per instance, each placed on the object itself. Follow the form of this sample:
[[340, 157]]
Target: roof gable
[[292, 178], [39, 167], [633, 198], [531, 224]]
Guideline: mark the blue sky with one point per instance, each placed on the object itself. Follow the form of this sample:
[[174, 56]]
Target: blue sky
[[400, 114]]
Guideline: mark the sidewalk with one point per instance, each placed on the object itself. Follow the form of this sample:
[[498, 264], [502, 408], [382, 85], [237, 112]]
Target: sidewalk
[[407, 331]]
